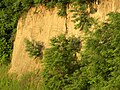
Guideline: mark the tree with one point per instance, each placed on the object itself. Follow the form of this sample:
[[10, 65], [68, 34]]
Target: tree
[[101, 59], [60, 62]]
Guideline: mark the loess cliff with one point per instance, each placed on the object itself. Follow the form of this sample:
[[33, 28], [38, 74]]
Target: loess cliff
[[41, 24]]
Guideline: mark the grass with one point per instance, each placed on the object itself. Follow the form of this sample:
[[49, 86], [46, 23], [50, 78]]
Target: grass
[[30, 81]]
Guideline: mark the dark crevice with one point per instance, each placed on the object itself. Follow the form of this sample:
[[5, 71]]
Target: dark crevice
[[66, 27]]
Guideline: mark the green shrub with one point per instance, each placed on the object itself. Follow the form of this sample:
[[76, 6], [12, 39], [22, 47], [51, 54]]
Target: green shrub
[[81, 14], [60, 62], [34, 48], [101, 59], [10, 11]]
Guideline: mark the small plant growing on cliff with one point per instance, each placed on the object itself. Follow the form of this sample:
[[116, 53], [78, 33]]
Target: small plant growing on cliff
[[34, 48]]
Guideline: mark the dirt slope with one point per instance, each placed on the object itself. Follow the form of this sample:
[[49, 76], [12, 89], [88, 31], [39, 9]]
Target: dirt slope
[[41, 24]]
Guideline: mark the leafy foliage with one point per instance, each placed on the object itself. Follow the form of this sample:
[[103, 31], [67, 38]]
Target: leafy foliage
[[82, 10], [101, 59], [60, 62], [34, 48], [10, 10]]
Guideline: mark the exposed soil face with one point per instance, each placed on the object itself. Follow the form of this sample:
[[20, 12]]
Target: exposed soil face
[[41, 25], [38, 24]]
